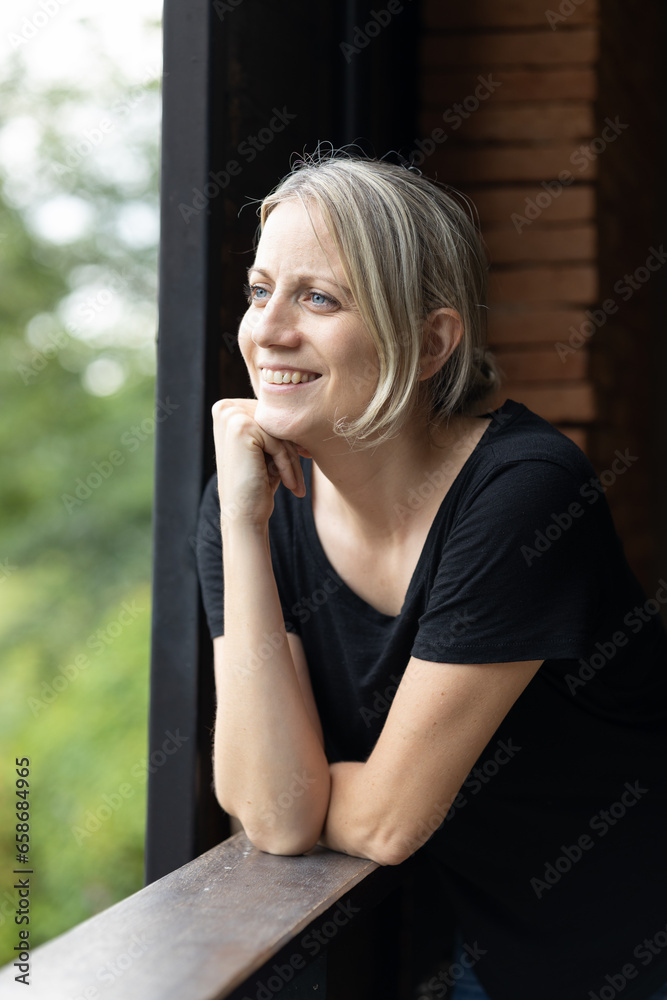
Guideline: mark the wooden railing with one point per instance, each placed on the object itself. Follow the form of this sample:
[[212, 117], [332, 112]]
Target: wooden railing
[[234, 923]]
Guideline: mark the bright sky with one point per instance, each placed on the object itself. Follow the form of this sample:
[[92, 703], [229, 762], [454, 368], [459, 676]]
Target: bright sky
[[52, 37], [111, 50]]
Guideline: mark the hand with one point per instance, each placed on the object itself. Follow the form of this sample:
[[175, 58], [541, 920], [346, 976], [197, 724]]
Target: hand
[[251, 463]]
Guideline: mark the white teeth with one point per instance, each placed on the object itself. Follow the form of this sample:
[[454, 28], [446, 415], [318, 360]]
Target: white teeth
[[277, 377]]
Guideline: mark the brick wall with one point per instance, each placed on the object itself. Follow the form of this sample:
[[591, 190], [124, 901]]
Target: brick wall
[[537, 116]]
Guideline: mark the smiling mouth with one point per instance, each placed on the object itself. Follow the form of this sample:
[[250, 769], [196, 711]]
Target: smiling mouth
[[281, 376]]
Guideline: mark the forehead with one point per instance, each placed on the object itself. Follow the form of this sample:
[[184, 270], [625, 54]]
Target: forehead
[[294, 235]]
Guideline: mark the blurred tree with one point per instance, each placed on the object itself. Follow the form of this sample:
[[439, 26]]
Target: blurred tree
[[78, 242]]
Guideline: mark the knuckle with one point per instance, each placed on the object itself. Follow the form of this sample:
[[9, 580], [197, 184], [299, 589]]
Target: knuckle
[[237, 420]]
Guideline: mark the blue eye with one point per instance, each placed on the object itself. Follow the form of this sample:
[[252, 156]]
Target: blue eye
[[320, 299], [253, 293]]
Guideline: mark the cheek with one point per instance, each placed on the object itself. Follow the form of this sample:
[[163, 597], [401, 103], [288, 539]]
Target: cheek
[[360, 371], [245, 339]]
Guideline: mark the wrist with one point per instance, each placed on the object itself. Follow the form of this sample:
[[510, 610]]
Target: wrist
[[243, 531]]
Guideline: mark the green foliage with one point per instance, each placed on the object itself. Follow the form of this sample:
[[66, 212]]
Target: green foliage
[[75, 532]]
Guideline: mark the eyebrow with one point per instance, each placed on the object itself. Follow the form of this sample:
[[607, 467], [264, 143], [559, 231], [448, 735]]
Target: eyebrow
[[304, 279]]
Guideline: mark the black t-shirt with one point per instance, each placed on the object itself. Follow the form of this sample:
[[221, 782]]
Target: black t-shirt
[[554, 851]]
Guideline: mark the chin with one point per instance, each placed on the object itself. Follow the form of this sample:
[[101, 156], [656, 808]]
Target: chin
[[286, 426]]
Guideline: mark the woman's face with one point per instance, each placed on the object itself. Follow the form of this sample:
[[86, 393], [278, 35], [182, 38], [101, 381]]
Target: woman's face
[[310, 357]]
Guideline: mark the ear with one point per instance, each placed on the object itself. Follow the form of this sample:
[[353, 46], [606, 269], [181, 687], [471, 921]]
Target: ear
[[443, 329]]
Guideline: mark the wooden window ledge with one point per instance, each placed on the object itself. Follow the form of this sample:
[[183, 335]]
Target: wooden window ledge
[[232, 923]]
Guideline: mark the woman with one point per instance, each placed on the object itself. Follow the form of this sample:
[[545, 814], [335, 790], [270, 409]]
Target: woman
[[431, 636]]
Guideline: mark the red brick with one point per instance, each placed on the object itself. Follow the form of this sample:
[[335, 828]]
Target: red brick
[[541, 365], [504, 122], [517, 163], [509, 13], [439, 89], [574, 403], [530, 48], [531, 326], [574, 285], [509, 247], [498, 204]]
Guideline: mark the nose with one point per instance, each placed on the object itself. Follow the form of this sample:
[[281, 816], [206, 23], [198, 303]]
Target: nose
[[275, 324]]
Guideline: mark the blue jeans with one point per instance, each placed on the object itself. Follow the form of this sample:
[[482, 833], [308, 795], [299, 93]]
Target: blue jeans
[[468, 987]]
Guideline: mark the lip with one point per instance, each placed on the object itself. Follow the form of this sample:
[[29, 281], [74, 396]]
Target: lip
[[287, 368], [286, 386]]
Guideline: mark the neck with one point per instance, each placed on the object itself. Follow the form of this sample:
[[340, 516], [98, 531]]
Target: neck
[[374, 491]]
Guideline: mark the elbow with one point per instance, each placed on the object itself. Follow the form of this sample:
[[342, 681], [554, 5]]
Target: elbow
[[287, 844], [267, 835], [285, 835], [377, 841], [390, 848], [388, 855]]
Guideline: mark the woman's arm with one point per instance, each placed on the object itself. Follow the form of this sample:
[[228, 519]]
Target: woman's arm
[[269, 764], [442, 717]]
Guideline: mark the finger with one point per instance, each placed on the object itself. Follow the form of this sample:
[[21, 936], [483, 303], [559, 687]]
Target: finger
[[284, 462], [284, 455], [300, 490], [246, 405]]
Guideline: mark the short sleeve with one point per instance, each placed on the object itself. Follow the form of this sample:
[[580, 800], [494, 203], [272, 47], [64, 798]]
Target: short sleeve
[[521, 570], [209, 558]]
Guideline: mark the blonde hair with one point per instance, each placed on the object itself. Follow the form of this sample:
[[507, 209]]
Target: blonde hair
[[407, 247]]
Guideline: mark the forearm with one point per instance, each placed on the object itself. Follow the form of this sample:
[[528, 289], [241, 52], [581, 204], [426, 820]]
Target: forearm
[[270, 768], [353, 823], [341, 830], [365, 821]]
